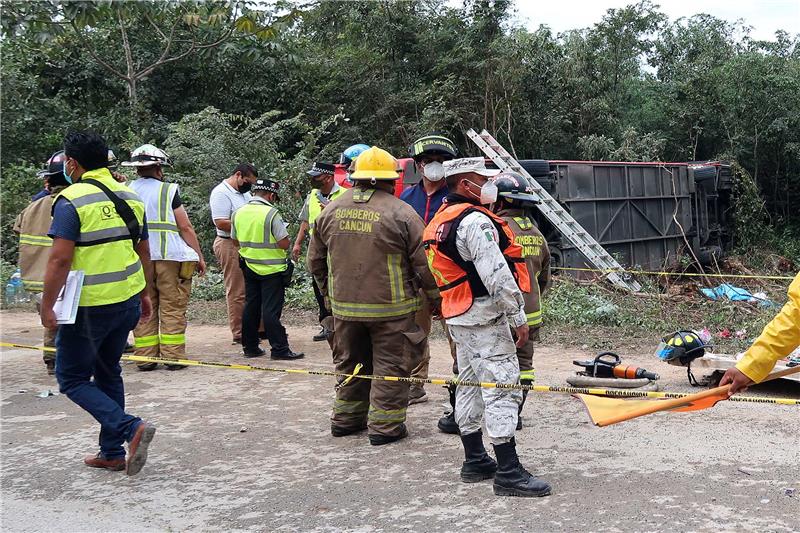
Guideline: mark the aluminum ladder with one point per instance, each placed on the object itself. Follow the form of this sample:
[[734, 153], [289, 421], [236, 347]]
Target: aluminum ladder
[[557, 215]]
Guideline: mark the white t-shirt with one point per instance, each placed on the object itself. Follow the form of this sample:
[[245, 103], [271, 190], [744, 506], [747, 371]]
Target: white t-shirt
[[224, 201]]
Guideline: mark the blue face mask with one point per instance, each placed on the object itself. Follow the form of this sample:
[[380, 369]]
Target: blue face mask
[[66, 176]]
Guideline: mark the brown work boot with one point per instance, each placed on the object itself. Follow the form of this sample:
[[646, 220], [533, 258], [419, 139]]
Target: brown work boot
[[137, 449], [98, 461]]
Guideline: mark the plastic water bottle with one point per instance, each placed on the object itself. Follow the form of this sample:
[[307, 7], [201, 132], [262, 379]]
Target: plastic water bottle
[[11, 293], [18, 292]]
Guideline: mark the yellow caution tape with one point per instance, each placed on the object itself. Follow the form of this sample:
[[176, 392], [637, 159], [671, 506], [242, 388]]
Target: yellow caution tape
[[431, 381], [605, 271]]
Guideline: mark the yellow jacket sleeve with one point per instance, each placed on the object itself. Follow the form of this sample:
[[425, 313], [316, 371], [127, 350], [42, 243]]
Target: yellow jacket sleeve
[[779, 338]]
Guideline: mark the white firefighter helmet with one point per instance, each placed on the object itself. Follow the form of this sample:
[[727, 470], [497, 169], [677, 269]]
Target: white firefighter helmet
[[148, 155]]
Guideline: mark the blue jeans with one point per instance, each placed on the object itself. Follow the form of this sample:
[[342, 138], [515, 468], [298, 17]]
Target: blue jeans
[[93, 346]]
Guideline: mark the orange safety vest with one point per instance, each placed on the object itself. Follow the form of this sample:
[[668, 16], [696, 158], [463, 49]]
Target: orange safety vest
[[458, 281]]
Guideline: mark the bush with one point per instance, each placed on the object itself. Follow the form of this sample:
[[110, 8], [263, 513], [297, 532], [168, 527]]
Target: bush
[[207, 146], [19, 184], [209, 287]]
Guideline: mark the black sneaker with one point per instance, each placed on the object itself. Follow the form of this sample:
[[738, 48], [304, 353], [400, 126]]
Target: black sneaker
[[147, 367], [378, 439], [289, 356], [253, 352]]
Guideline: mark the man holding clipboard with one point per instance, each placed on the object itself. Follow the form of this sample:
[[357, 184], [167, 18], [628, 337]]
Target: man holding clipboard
[[99, 228]]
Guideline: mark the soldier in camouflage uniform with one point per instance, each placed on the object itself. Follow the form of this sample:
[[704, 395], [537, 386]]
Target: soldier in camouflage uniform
[[469, 252]]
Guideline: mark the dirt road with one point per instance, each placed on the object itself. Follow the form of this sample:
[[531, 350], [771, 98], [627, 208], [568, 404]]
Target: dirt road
[[252, 451]]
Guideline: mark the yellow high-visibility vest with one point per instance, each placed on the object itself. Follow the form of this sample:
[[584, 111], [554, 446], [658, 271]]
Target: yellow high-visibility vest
[[104, 251], [257, 245]]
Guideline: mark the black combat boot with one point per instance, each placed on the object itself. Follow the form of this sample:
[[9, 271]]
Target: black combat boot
[[522, 404], [447, 424], [477, 463], [511, 479]]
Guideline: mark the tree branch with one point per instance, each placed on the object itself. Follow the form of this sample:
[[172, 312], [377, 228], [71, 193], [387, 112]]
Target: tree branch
[[93, 53]]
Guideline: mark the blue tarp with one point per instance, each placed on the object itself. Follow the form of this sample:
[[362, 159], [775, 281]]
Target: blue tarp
[[726, 290]]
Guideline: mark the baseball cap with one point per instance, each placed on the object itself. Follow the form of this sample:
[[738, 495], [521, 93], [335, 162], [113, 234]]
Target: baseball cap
[[466, 165]]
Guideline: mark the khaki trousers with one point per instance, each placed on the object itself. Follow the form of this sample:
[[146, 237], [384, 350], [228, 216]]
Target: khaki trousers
[[164, 335], [389, 348], [227, 255]]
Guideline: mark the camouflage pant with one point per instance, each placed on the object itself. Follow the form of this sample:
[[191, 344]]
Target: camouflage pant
[[487, 353]]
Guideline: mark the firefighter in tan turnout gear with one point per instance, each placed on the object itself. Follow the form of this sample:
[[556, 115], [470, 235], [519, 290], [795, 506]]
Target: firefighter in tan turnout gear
[[366, 254], [514, 197], [175, 253], [32, 226], [481, 276]]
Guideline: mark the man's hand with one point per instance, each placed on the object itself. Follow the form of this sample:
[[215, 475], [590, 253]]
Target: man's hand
[[296, 249], [201, 267], [522, 335], [147, 309], [121, 178], [738, 380], [48, 317]]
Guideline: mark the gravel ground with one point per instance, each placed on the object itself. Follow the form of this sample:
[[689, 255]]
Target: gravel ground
[[242, 451]]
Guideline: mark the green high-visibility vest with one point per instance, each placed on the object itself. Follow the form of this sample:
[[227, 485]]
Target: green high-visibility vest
[[258, 247], [315, 203], [104, 251]]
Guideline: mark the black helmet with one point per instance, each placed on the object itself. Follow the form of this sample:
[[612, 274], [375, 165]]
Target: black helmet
[[54, 165], [433, 144], [684, 346], [515, 188]]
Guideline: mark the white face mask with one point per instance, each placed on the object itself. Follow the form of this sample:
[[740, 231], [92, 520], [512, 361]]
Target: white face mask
[[488, 192], [434, 171]]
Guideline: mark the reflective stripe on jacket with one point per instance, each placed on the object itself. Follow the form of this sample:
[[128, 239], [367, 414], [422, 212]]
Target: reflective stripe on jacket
[[32, 225], [537, 258], [457, 279], [257, 245], [165, 240], [104, 251], [366, 255]]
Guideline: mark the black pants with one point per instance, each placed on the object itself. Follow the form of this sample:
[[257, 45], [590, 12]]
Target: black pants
[[323, 313], [263, 300]]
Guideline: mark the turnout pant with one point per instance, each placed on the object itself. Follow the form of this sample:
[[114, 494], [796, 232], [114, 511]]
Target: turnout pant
[[164, 334], [264, 298], [424, 320], [487, 353], [48, 335], [323, 313], [227, 255], [387, 348], [91, 348]]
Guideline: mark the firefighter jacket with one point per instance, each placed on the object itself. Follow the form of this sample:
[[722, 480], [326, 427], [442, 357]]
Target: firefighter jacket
[[537, 259], [476, 264], [32, 225], [779, 338], [366, 255]]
